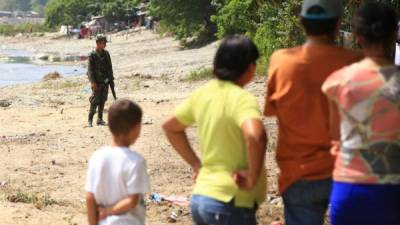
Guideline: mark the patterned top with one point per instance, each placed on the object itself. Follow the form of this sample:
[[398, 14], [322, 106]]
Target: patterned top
[[368, 99]]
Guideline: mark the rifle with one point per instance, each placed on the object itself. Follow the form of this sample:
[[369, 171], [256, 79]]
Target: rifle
[[112, 87]]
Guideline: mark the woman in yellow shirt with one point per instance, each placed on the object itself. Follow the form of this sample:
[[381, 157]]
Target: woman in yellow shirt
[[230, 175]]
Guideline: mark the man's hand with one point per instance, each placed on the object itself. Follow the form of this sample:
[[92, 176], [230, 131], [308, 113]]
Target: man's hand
[[102, 213], [94, 86]]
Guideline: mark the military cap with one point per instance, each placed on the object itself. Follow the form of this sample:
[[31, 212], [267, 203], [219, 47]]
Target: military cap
[[101, 37]]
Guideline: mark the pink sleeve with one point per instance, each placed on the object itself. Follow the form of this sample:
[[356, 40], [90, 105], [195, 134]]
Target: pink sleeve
[[331, 86]]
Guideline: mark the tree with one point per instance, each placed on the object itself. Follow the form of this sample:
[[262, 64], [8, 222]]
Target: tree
[[237, 16], [118, 9], [272, 24], [23, 5], [186, 18], [38, 5], [59, 12], [15, 5]]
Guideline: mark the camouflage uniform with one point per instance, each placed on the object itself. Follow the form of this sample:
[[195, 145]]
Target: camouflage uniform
[[100, 72]]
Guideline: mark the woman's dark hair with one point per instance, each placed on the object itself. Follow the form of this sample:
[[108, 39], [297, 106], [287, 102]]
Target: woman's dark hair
[[123, 115], [233, 57], [375, 22]]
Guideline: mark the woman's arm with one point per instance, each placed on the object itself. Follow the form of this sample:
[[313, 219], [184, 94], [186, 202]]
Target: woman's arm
[[175, 132], [334, 121], [334, 127], [256, 142]]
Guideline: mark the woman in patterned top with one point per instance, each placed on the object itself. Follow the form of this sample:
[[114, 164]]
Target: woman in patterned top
[[366, 190]]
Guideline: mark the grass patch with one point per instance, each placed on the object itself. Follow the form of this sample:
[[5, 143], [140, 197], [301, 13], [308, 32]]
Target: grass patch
[[39, 201], [134, 85], [68, 220], [61, 84], [200, 74], [9, 30], [207, 73], [262, 67], [55, 102]]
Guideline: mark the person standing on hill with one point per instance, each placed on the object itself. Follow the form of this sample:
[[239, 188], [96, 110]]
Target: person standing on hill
[[100, 74], [294, 96]]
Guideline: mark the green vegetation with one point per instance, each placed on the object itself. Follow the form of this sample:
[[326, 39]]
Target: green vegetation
[[200, 74], [186, 18], [205, 73], [39, 201], [262, 67], [9, 30], [23, 5], [73, 12], [61, 84], [272, 24]]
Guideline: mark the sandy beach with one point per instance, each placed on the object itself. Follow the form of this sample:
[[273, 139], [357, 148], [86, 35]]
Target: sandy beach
[[45, 146]]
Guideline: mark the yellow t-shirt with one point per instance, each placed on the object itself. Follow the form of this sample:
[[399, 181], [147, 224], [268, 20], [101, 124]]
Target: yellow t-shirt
[[219, 108]]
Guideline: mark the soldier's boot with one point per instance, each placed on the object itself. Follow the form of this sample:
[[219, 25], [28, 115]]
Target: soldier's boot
[[92, 111], [90, 120], [100, 120]]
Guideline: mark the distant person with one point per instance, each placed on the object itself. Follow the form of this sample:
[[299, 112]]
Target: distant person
[[84, 32], [397, 56], [294, 96], [117, 176], [100, 73], [230, 179], [366, 187]]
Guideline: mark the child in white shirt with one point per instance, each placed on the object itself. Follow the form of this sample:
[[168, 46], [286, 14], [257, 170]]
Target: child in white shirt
[[117, 176]]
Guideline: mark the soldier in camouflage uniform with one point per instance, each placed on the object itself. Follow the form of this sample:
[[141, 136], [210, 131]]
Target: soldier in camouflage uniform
[[100, 74]]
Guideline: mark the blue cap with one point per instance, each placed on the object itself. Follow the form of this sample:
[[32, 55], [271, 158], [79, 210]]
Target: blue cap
[[322, 9]]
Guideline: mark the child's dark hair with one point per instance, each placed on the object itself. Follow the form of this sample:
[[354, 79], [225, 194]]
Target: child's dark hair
[[233, 57], [376, 23], [317, 27], [123, 115]]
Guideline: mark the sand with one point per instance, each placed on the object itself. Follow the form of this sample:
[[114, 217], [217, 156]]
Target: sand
[[45, 146]]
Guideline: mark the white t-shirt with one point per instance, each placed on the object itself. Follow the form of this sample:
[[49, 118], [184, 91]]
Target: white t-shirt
[[115, 173]]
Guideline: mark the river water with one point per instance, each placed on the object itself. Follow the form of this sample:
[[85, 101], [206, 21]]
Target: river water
[[18, 67]]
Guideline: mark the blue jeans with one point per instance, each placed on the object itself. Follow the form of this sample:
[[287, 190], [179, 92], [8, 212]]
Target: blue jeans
[[306, 202], [366, 204], [208, 211]]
